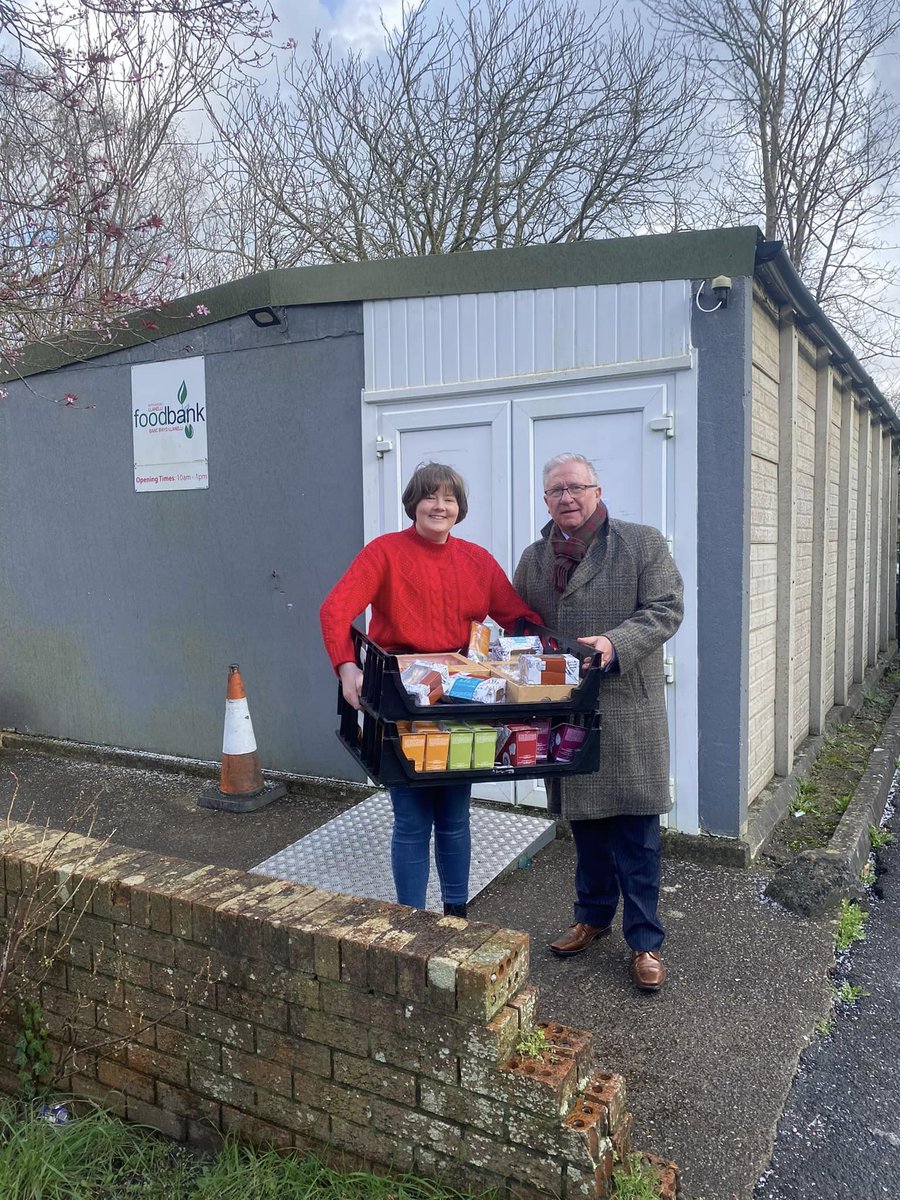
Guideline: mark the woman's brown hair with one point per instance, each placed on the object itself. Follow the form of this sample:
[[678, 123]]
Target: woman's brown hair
[[429, 478]]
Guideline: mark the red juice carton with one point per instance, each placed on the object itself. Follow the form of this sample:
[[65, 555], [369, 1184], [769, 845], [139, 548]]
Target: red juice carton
[[518, 746]]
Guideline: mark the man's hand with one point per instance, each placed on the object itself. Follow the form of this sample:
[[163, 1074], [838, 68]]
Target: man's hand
[[603, 646], [351, 678]]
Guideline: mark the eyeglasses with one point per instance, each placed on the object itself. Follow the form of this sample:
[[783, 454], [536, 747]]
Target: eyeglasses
[[575, 490]]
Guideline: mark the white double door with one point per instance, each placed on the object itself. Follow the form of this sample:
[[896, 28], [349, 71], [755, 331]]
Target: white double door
[[499, 441]]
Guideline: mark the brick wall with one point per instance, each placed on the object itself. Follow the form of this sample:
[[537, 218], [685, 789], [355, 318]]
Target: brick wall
[[209, 1001]]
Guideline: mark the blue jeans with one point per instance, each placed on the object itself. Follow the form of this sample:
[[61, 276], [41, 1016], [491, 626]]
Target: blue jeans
[[620, 856], [416, 810]]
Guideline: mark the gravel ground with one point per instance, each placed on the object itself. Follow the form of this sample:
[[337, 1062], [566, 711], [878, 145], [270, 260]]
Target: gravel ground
[[839, 1135]]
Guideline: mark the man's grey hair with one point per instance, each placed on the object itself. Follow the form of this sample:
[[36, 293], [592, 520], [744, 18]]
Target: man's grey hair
[[559, 460]]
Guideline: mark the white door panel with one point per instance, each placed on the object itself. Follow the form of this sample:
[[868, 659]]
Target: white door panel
[[472, 438], [610, 426]]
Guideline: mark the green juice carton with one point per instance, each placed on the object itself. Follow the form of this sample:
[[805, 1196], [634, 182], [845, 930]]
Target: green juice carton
[[484, 746]]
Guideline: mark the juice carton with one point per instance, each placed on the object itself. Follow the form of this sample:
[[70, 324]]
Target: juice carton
[[484, 745], [565, 741], [541, 725], [459, 757], [518, 746], [413, 746], [437, 748]]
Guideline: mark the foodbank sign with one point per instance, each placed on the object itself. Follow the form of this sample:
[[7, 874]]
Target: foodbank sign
[[168, 425]]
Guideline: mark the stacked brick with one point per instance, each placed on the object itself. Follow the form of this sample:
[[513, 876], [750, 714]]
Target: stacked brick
[[206, 1001]]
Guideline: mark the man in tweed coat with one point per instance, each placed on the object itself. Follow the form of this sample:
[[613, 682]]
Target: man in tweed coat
[[612, 584]]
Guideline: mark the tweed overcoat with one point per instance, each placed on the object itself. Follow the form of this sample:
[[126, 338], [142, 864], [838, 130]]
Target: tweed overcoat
[[631, 591]]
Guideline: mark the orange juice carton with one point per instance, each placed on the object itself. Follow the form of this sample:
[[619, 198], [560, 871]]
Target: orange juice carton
[[565, 741], [471, 687], [479, 641], [437, 748], [413, 746], [518, 746]]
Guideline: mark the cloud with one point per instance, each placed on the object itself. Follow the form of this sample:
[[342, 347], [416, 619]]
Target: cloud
[[356, 24]]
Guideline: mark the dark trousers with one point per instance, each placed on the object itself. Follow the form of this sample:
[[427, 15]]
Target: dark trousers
[[619, 856]]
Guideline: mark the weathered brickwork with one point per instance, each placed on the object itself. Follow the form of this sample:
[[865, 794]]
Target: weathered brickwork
[[206, 1001]]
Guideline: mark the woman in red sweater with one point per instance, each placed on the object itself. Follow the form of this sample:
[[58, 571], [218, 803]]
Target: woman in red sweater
[[425, 588]]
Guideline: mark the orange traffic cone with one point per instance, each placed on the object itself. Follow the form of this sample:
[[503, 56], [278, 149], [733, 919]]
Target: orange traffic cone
[[241, 784]]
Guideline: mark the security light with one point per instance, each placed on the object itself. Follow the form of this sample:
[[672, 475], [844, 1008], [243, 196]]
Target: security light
[[264, 317]]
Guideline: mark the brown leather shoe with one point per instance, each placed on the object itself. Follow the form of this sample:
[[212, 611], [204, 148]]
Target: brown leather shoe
[[577, 938], [647, 970]]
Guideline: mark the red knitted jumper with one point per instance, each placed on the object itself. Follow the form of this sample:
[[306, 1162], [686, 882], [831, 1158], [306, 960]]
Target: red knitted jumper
[[423, 595]]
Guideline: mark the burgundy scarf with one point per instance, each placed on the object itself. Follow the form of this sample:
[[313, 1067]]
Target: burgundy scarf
[[571, 550]]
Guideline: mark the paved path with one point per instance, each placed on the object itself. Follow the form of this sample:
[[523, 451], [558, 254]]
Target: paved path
[[709, 1060], [839, 1137]]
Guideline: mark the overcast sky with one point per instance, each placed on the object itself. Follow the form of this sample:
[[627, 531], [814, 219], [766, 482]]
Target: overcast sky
[[354, 23]]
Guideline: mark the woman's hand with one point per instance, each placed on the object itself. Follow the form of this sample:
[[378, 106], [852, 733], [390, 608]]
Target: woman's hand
[[603, 646], [351, 678]]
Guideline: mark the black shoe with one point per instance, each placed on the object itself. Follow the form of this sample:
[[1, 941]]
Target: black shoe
[[454, 910]]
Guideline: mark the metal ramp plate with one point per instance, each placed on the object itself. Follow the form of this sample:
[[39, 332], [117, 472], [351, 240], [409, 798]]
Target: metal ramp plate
[[352, 853]]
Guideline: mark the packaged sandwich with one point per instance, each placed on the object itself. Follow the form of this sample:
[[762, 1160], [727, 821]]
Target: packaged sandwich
[[508, 647], [470, 687], [479, 642], [426, 681]]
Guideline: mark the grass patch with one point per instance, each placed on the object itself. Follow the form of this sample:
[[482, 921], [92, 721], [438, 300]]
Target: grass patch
[[878, 838], [633, 1179], [851, 925], [95, 1156], [244, 1173], [848, 993], [824, 796]]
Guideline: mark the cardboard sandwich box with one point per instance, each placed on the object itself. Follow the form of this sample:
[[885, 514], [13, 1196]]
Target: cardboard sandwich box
[[529, 693]]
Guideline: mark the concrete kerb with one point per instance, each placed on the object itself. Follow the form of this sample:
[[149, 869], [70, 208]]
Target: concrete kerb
[[775, 801], [814, 883], [150, 760]]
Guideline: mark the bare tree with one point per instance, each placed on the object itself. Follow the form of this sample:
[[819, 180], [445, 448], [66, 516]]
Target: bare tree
[[501, 125], [93, 97], [810, 140]]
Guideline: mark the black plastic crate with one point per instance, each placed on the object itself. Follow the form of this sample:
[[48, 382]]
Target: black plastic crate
[[385, 697], [375, 744]]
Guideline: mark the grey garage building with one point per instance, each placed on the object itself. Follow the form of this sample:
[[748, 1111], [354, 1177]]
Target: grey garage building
[[744, 429]]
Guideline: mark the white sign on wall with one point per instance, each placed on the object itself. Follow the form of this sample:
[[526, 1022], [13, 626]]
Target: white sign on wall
[[168, 425]]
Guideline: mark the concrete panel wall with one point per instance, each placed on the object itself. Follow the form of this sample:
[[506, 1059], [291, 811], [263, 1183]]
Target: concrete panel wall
[[823, 489], [804, 486], [763, 548], [832, 539], [120, 612]]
